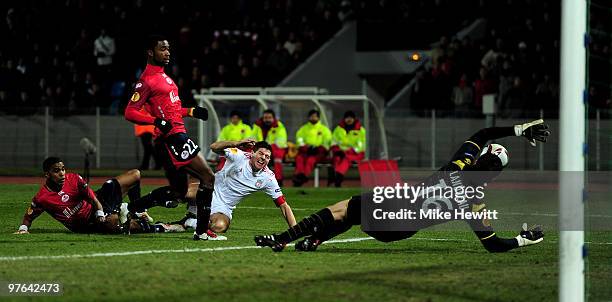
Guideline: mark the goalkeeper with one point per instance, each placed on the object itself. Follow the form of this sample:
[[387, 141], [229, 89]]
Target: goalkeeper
[[473, 155]]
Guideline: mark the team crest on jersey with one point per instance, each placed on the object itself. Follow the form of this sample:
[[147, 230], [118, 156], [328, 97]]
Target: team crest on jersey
[[173, 97], [135, 97], [259, 183]]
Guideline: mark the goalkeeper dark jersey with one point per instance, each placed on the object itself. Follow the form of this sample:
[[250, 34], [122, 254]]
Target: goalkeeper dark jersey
[[446, 191]]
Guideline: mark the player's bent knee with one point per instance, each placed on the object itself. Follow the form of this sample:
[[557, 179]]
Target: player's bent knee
[[135, 173], [339, 210], [219, 223]]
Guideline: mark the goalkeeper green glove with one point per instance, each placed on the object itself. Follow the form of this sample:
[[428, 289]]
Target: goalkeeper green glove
[[533, 131], [530, 236]]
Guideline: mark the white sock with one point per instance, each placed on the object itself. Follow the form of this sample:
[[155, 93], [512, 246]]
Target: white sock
[[191, 223]]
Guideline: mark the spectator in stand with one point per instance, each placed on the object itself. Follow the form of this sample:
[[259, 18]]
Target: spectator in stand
[[313, 140], [421, 92], [348, 147], [463, 96], [547, 93], [268, 128], [291, 43], [483, 85], [278, 61], [490, 59], [104, 50], [516, 99]]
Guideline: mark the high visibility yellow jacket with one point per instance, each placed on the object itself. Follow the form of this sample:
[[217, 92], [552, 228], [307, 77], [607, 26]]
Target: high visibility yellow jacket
[[233, 132], [354, 138], [276, 135], [314, 135]]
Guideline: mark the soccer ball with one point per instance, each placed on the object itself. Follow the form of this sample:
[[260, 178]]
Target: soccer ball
[[497, 150]]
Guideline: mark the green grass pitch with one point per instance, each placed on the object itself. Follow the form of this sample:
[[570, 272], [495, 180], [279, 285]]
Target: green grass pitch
[[431, 266]]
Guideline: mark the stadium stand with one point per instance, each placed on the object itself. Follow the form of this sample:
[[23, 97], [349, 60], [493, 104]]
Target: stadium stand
[[56, 56]]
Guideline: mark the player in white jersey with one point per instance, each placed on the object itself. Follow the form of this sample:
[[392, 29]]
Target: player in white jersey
[[243, 173]]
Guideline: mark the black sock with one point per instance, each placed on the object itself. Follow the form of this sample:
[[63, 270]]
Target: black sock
[[332, 231], [338, 180], [134, 192], [203, 202], [157, 197], [310, 225]]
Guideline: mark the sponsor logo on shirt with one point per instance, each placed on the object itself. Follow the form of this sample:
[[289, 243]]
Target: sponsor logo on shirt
[[138, 85], [184, 154], [135, 97]]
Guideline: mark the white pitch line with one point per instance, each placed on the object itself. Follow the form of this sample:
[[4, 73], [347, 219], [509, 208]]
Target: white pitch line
[[132, 253], [214, 249]]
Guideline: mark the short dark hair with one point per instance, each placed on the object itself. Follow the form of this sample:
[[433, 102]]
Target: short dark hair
[[313, 111], [270, 111], [153, 40], [235, 112], [350, 113], [262, 144], [49, 162]]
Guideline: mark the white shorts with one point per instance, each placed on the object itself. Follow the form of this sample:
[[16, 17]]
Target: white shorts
[[220, 207]]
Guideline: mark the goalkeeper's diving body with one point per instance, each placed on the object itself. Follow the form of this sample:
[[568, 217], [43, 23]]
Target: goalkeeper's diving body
[[473, 155]]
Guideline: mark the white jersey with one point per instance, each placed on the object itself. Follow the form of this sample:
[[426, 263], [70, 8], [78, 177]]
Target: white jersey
[[237, 180]]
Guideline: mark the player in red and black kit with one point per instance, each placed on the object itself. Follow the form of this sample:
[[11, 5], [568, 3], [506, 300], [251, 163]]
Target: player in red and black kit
[[69, 200], [158, 92]]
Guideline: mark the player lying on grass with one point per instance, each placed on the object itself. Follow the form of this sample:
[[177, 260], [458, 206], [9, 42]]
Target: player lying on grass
[[69, 200], [243, 173], [340, 217]]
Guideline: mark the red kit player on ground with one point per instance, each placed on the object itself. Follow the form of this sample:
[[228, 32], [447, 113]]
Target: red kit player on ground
[[158, 92], [69, 200]]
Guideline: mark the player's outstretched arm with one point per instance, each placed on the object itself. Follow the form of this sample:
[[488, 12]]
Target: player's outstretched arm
[[532, 131], [29, 216], [196, 112], [287, 214], [219, 146]]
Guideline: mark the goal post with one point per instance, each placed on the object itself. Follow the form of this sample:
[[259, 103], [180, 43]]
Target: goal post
[[572, 147]]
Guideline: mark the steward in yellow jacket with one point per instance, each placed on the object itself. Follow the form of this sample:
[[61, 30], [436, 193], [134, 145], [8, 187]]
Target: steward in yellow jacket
[[314, 140], [348, 145]]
